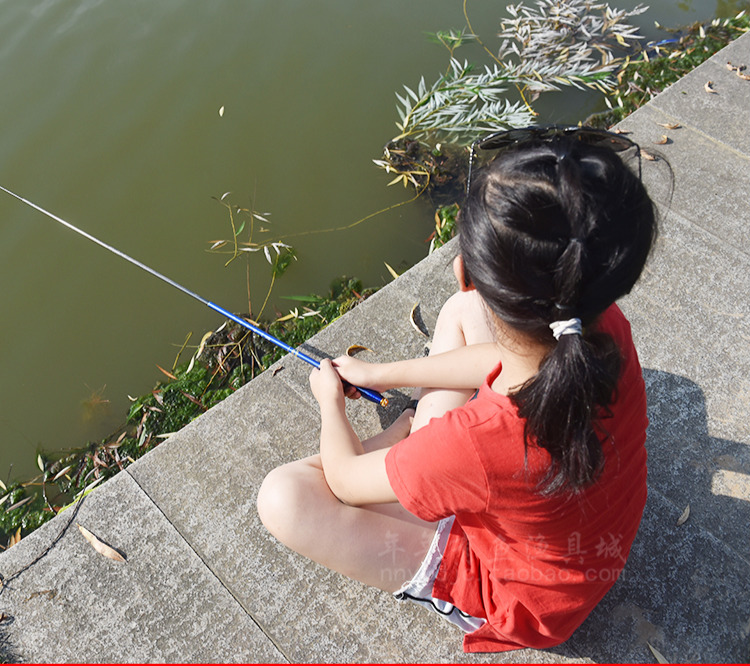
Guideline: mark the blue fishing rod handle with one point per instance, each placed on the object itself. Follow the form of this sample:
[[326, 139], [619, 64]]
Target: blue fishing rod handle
[[373, 396]]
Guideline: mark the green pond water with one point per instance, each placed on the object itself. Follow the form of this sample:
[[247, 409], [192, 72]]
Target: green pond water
[[127, 118]]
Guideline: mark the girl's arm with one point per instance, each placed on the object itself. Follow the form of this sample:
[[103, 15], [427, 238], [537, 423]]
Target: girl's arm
[[462, 368], [355, 477]]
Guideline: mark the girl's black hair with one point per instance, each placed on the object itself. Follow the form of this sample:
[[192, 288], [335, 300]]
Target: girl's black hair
[[551, 231]]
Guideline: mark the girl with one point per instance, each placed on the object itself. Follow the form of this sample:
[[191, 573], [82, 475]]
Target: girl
[[510, 509]]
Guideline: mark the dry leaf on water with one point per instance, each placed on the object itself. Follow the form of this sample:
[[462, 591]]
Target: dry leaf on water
[[15, 538], [685, 515], [391, 271], [101, 547], [25, 500], [62, 472], [168, 374]]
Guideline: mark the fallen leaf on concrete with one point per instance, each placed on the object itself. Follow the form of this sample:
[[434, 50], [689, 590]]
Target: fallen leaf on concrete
[[685, 515], [416, 321], [617, 130], [670, 126], [351, 350], [708, 87], [744, 77], [664, 140], [735, 68], [101, 547], [660, 658], [648, 156]]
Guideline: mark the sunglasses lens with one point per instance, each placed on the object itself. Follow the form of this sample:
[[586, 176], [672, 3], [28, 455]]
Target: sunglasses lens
[[605, 139], [506, 138], [593, 137]]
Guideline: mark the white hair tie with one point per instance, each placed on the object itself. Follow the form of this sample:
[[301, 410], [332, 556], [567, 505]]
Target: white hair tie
[[567, 327]]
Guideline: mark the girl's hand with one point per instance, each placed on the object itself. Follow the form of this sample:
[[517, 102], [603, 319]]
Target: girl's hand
[[326, 384], [360, 373]]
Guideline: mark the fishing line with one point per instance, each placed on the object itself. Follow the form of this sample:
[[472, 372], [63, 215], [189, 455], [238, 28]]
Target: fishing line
[[373, 396]]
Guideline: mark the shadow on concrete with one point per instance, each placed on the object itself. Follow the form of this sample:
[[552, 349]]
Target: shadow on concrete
[[689, 466], [7, 654], [686, 588]]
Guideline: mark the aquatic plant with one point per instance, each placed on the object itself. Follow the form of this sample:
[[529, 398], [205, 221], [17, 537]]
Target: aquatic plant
[[552, 44], [278, 254]]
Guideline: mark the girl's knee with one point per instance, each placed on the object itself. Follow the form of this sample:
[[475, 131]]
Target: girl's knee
[[281, 500]]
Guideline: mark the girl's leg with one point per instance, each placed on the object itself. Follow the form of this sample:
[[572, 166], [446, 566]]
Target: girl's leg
[[463, 320], [379, 548], [380, 545]]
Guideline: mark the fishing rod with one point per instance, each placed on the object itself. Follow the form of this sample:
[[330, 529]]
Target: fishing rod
[[371, 395]]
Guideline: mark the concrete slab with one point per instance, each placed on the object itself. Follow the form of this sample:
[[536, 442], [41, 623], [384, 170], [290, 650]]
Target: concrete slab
[[721, 116], [703, 188], [161, 605]]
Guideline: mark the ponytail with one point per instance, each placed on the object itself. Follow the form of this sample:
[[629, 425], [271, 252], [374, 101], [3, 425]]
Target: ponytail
[[551, 231], [564, 403]]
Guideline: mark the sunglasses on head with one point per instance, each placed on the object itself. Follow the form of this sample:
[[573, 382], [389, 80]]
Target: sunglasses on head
[[588, 135]]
